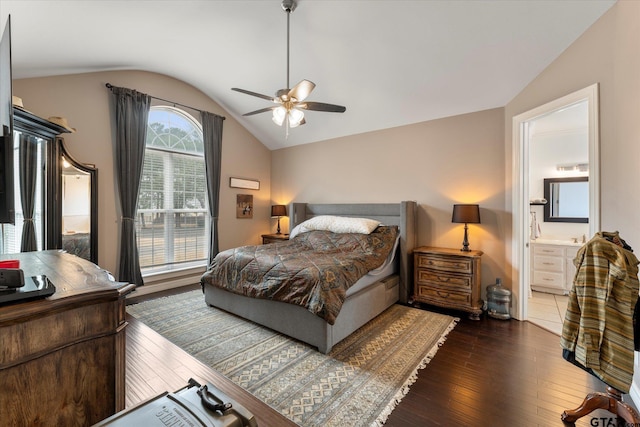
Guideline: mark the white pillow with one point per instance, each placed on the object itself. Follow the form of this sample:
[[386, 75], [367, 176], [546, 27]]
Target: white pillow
[[336, 224]]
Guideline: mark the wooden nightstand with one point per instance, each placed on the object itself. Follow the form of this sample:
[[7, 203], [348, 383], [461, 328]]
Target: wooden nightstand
[[274, 238], [448, 278]]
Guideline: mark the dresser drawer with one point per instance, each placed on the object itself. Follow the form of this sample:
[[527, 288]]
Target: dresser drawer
[[450, 263], [444, 280], [442, 297], [547, 278], [548, 263]]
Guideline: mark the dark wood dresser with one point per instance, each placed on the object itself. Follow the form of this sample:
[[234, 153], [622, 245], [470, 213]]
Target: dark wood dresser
[[62, 358], [448, 278]]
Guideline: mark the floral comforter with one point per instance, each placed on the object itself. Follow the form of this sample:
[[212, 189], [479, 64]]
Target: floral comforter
[[313, 270]]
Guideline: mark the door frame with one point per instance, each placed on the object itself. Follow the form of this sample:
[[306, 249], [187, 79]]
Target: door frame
[[520, 183]]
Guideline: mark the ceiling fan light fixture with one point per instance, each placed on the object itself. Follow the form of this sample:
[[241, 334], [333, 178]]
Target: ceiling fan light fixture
[[295, 117], [279, 114], [290, 99]]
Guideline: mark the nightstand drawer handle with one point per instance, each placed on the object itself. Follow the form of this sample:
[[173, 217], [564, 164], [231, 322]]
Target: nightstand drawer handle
[[442, 294]]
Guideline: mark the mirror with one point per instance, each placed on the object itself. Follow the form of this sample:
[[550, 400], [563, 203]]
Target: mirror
[[567, 199], [78, 196], [64, 187]]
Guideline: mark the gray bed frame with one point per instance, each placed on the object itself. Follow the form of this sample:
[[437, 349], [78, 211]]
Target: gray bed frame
[[296, 321]]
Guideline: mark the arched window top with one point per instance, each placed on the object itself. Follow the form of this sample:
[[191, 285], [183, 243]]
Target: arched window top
[[173, 129]]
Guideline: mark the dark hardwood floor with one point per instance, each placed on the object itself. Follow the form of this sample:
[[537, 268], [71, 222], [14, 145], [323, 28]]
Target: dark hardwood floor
[[487, 373]]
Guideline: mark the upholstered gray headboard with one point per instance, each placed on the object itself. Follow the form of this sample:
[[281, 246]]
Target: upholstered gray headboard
[[402, 214]]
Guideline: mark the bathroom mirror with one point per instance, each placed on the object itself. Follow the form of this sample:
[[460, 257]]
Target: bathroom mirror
[[567, 199]]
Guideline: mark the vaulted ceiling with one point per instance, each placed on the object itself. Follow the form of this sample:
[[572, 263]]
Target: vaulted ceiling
[[390, 62]]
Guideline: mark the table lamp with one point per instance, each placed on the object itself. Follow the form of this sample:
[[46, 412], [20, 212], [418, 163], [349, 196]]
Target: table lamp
[[278, 210], [466, 214]]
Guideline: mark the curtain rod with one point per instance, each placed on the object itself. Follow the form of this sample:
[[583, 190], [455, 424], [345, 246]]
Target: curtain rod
[[110, 86]]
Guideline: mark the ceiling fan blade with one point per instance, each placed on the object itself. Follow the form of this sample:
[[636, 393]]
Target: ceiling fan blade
[[262, 110], [321, 106], [301, 90], [259, 95]]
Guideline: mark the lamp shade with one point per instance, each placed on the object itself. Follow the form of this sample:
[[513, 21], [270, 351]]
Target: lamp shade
[[278, 210], [466, 214]]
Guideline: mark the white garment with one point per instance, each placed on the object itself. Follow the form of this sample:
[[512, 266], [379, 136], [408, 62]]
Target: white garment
[[535, 227]]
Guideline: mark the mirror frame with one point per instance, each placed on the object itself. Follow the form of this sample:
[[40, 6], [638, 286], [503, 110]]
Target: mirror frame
[[548, 182], [56, 227]]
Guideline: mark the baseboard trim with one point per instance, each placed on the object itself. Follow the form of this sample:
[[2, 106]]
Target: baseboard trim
[[172, 279], [150, 289]]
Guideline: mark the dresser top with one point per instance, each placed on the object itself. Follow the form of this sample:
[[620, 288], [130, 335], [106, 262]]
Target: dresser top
[[447, 251], [77, 281]]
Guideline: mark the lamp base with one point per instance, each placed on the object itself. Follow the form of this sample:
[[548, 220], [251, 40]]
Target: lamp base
[[278, 226], [465, 241]]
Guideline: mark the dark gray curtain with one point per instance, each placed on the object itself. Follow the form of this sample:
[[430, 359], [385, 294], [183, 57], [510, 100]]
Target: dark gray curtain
[[131, 114], [212, 137], [28, 147]]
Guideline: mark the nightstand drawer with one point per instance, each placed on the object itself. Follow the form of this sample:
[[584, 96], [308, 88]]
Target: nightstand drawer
[[442, 297], [443, 280], [435, 262]]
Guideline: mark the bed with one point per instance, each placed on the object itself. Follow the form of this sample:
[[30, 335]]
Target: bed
[[362, 303], [78, 244]]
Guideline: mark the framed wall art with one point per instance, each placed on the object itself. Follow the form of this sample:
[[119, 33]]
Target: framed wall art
[[244, 206], [249, 184]]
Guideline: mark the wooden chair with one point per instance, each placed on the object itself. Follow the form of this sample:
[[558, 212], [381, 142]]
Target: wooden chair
[[611, 401]]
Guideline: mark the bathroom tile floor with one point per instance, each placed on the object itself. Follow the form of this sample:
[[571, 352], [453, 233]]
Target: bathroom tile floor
[[547, 310]]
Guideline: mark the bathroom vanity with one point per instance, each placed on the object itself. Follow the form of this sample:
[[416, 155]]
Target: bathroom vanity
[[552, 268]]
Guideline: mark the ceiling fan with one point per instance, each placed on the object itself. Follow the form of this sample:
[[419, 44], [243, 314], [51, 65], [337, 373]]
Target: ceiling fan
[[290, 103]]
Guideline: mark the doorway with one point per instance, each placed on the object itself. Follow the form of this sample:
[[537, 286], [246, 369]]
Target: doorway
[[524, 126]]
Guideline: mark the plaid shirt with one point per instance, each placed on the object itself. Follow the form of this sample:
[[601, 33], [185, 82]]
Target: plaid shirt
[[598, 324]]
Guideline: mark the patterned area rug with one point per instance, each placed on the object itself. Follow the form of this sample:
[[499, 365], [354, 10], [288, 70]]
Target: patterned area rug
[[357, 384]]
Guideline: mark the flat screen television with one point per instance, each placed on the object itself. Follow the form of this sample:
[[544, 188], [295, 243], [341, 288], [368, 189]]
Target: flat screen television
[[7, 203]]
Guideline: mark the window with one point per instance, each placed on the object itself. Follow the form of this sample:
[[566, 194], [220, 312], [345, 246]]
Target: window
[[172, 223], [11, 235]]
